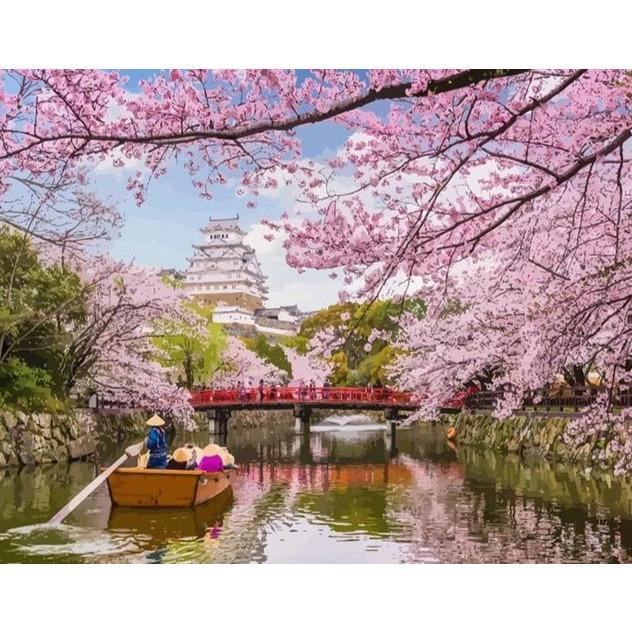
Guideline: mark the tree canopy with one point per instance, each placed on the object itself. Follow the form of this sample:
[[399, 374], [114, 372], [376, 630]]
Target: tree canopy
[[192, 344], [40, 305], [359, 337], [505, 191]]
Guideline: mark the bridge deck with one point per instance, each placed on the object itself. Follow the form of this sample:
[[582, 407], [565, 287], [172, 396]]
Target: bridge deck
[[307, 403], [280, 398]]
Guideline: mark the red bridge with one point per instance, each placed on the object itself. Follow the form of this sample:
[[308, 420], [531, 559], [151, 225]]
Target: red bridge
[[219, 402], [287, 396]]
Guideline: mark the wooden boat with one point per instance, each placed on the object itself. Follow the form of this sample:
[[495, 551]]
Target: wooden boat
[[139, 487]]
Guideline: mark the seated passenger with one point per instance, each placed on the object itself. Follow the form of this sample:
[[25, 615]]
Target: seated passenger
[[227, 459], [211, 459], [195, 454], [179, 460]]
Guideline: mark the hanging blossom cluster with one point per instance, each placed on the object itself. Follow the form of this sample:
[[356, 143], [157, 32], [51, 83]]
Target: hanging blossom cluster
[[509, 203]]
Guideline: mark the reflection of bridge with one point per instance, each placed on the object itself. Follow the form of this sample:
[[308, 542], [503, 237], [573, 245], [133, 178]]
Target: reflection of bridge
[[219, 403]]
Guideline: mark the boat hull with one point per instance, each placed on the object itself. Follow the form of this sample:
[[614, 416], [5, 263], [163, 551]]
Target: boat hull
[[138, 487]]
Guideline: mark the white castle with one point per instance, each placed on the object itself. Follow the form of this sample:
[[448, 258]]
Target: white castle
[[225, 272]]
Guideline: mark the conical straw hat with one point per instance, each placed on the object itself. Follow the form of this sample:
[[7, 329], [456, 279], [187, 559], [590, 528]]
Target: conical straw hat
[[227, 457], [155, 421], [212, 449], [181, 455]]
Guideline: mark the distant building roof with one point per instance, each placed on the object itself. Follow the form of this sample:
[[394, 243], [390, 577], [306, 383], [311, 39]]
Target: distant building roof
[[223, 223], [274, 323], [273, 312], [292, 309], [176, 274]]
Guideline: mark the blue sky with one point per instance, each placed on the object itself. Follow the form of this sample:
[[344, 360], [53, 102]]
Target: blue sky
[[161, 232]]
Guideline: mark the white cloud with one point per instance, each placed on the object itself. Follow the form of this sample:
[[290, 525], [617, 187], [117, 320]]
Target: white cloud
[[119, 166], [311, 290]]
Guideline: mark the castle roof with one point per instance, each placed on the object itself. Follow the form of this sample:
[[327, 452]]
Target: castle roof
[[223, 223]]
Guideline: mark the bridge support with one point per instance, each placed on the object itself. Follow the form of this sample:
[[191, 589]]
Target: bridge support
[[302, 416], [390, 439], [218, 422], [391, 417]]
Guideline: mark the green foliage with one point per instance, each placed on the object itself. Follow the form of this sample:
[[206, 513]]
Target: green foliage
[[298, 342], [24, 387], [39, 306], [353, 324], [192, 346], [272, 353]]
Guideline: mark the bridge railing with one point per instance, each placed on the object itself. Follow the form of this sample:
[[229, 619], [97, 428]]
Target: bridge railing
[[281, 394]]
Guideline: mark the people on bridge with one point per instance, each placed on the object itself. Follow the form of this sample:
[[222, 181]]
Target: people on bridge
[[326, 389], [260, 390], [241, 391], [312, 389], [156, 443]]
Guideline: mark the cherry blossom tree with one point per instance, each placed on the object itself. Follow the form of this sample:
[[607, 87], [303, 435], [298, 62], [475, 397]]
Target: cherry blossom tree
[[111, 353], [526, 172], [240, 364], [308, 366]]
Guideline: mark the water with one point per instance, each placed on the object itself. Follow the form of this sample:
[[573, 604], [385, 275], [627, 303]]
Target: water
[[342, 496]]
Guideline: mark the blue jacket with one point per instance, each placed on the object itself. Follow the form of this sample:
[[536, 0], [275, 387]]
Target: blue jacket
[[157, 446]]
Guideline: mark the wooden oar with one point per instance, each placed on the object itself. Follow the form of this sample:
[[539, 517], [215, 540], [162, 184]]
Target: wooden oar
[[60, 516]]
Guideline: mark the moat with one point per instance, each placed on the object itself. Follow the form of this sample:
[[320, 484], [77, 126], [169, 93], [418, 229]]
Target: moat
[[339, 496]]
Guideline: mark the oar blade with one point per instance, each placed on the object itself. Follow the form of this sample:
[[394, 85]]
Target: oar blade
[[61, 515]]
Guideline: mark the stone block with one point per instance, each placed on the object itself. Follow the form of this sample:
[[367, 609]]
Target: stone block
[[45, 420], [82, 446], [60, 453], [47, 434], [10, 419]]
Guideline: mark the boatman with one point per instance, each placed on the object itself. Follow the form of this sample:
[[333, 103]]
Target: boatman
[[156, 443]]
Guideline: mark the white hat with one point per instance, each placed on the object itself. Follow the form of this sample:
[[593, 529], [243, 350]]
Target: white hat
[[155, 421]]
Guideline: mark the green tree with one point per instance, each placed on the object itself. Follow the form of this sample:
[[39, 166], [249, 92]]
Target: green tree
[[353, 324], [273, 353], [39, 308], [191, 346]]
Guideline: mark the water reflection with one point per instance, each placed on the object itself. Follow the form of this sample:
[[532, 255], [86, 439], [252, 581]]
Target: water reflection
[[335, 497]]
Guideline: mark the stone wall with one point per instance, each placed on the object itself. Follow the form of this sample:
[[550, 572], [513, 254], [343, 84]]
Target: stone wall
[[27, 439], [248, 418], [533, 435]]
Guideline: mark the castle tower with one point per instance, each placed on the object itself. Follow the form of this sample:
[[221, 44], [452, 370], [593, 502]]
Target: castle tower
[[225, 272]]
